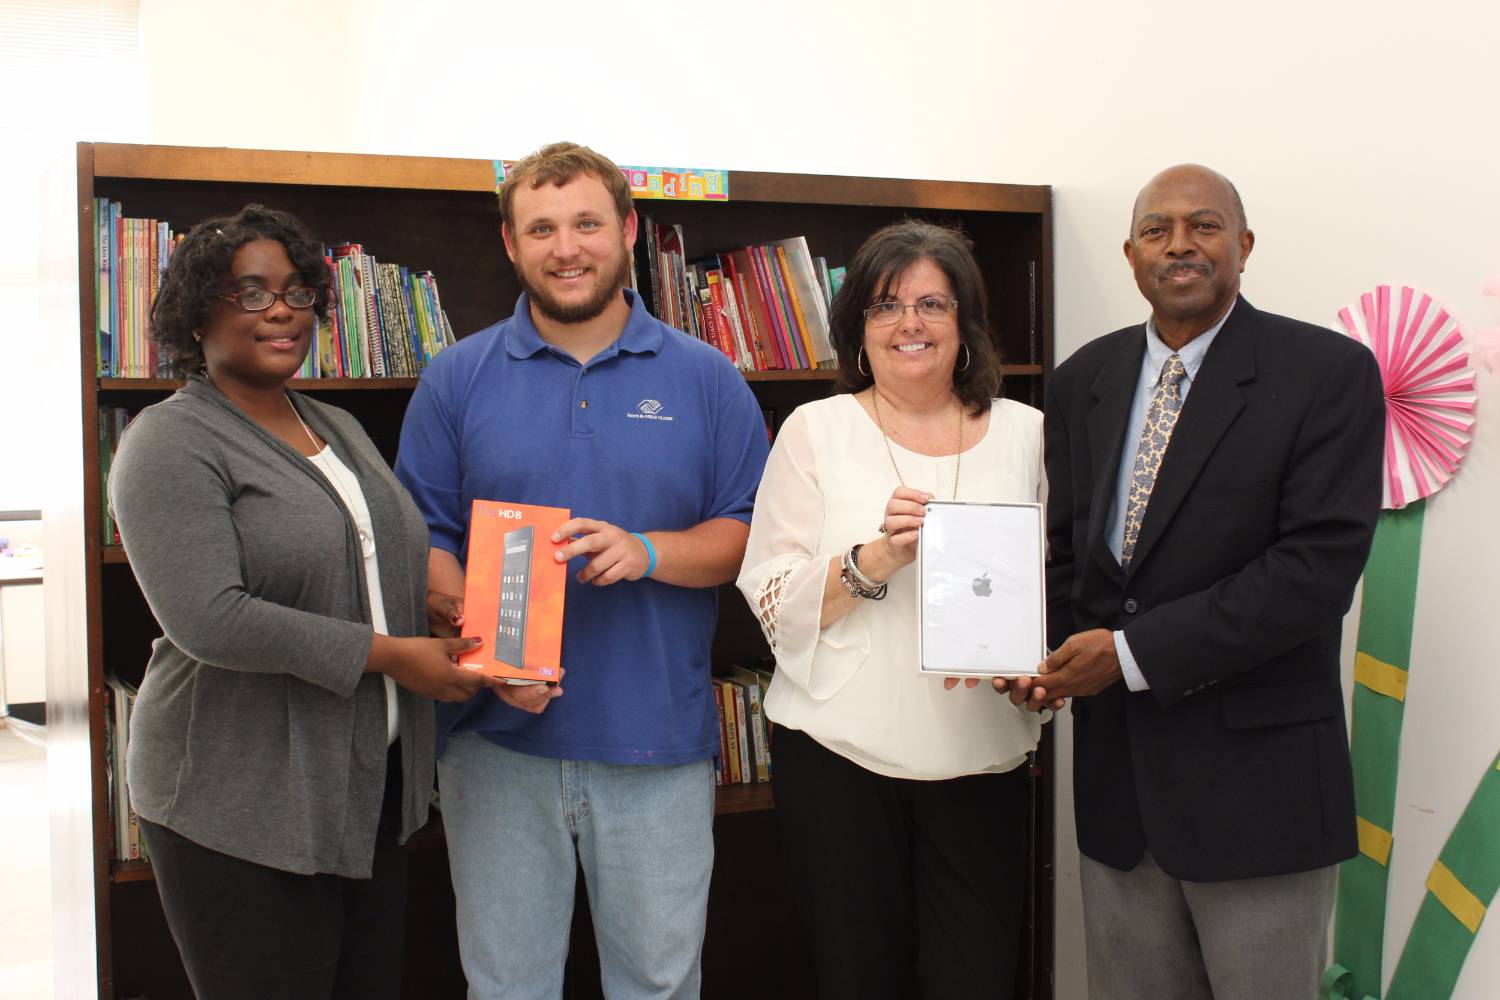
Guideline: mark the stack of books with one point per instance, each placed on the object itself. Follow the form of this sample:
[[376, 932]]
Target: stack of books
[[744, 731], [765, 306]]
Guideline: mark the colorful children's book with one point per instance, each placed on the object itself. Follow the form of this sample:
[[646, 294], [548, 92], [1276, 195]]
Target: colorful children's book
[[513, 591], [724, 691]]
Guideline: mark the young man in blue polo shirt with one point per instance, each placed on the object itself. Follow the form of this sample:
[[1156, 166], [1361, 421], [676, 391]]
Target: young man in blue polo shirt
[[583, 400]]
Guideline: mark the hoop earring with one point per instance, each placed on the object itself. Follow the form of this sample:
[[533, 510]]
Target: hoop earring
[[859, 362], [198, 336], [968, 356]]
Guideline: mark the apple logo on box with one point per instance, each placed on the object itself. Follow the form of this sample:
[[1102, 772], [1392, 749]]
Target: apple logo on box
[[982, 585]]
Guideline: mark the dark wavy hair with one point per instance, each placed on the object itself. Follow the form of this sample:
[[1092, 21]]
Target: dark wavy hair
[[200, 271], [876, 267]]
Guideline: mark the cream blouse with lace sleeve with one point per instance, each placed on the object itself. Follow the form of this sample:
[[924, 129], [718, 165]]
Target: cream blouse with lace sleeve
[[854, 686]]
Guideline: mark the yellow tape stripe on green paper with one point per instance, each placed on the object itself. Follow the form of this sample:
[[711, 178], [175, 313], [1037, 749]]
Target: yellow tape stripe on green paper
[[1379, 676]]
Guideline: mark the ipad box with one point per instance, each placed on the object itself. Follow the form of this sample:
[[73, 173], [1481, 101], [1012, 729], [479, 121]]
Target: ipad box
[[514, 591], [980, 594]]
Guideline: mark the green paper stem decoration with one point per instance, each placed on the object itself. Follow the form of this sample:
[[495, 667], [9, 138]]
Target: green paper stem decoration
[[1383, 655], [1460, 889]]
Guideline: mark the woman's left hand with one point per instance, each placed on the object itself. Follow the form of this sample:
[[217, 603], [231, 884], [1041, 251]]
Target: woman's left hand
[[949, 683], [904, 513], [896, 545]]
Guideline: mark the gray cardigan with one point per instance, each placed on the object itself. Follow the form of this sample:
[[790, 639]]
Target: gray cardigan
[[256, 732]]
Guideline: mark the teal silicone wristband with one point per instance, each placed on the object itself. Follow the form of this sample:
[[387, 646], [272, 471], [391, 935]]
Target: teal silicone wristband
[[650, 552]]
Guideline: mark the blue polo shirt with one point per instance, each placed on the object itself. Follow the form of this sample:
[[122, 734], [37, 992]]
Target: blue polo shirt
[[658, 432]]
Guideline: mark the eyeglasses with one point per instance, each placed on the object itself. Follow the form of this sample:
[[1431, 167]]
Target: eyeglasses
[[931, 309], [255, 299]]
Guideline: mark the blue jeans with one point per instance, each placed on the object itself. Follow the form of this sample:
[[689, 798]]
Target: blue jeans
[[519, 826]]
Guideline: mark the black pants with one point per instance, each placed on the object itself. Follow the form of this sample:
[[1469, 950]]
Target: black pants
[[905, 888], [257, 933]]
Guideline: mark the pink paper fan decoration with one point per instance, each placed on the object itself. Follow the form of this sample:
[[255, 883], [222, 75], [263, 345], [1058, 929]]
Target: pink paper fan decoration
[[1429, 387]]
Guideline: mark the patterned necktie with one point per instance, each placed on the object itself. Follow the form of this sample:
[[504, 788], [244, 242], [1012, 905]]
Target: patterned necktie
[[1161, 417]]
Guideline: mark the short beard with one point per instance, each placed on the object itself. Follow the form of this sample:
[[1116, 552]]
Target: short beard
[[550, 308]]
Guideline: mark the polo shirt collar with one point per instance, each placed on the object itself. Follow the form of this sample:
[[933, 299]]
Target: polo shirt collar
[[642, 333]]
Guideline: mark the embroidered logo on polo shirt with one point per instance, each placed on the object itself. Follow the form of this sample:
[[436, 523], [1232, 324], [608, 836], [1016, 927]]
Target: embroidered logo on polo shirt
[[649, 409]]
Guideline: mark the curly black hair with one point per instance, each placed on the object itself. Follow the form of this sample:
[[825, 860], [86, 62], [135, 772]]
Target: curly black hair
[[199, 272], [877, 265]]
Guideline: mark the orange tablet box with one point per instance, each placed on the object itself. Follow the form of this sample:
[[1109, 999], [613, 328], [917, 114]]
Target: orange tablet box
[[513, 591]]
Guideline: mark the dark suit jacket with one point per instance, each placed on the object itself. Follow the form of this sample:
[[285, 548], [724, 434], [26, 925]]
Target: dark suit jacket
[[1235, 763]]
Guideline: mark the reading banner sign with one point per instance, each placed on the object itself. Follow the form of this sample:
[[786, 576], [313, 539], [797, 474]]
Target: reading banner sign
[[663, 183]]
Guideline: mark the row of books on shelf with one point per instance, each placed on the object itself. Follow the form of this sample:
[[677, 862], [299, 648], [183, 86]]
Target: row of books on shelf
[[131, 255], [124, 830], [744, 731], [766, 306], [384, 320]]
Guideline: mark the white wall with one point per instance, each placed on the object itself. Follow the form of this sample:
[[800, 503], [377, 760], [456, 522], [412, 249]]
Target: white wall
[[62, 63], [21, 642], [1363, 138]]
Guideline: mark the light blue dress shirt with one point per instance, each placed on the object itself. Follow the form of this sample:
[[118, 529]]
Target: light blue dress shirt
[[1156, 356]]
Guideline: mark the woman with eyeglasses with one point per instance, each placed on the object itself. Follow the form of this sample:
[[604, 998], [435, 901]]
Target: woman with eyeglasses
[[281, 748], [902, 798]]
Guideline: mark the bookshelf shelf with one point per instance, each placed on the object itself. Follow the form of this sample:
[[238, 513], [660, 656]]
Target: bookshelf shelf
[[743, 798], [300, 384], [262, 166], [440, 215], [130, 871], [368, 384], [281, 167], [729, 800], [801, 375]]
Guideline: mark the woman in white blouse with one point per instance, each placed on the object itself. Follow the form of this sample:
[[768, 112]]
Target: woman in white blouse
[[901, 797]]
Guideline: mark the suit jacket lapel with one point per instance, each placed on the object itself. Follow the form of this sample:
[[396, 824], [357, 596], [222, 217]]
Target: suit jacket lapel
[[1113, 390], [1212, 405]]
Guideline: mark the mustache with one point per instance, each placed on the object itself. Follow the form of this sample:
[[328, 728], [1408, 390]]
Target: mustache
[[1184, 267]]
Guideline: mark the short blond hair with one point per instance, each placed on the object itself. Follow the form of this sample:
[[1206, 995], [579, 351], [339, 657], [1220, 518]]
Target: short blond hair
[[557, 163]]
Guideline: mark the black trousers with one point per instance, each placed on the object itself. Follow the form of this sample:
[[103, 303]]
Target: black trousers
[[249, 932], [905, 888]]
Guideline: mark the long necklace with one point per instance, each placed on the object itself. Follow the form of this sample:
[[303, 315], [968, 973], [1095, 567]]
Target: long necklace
[[958, 455], [366, 542]]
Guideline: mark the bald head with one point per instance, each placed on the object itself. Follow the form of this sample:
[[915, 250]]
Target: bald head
[[1190, 173], [1187, 246]]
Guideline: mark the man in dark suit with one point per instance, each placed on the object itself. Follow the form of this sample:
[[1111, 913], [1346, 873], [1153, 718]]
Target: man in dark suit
[[1214, 480]]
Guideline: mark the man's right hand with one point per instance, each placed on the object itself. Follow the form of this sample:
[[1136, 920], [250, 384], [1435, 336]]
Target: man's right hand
[[533, 698]]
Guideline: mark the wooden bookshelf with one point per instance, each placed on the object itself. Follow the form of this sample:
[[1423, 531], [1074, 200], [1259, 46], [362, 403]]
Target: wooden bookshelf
[[441, 215]]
